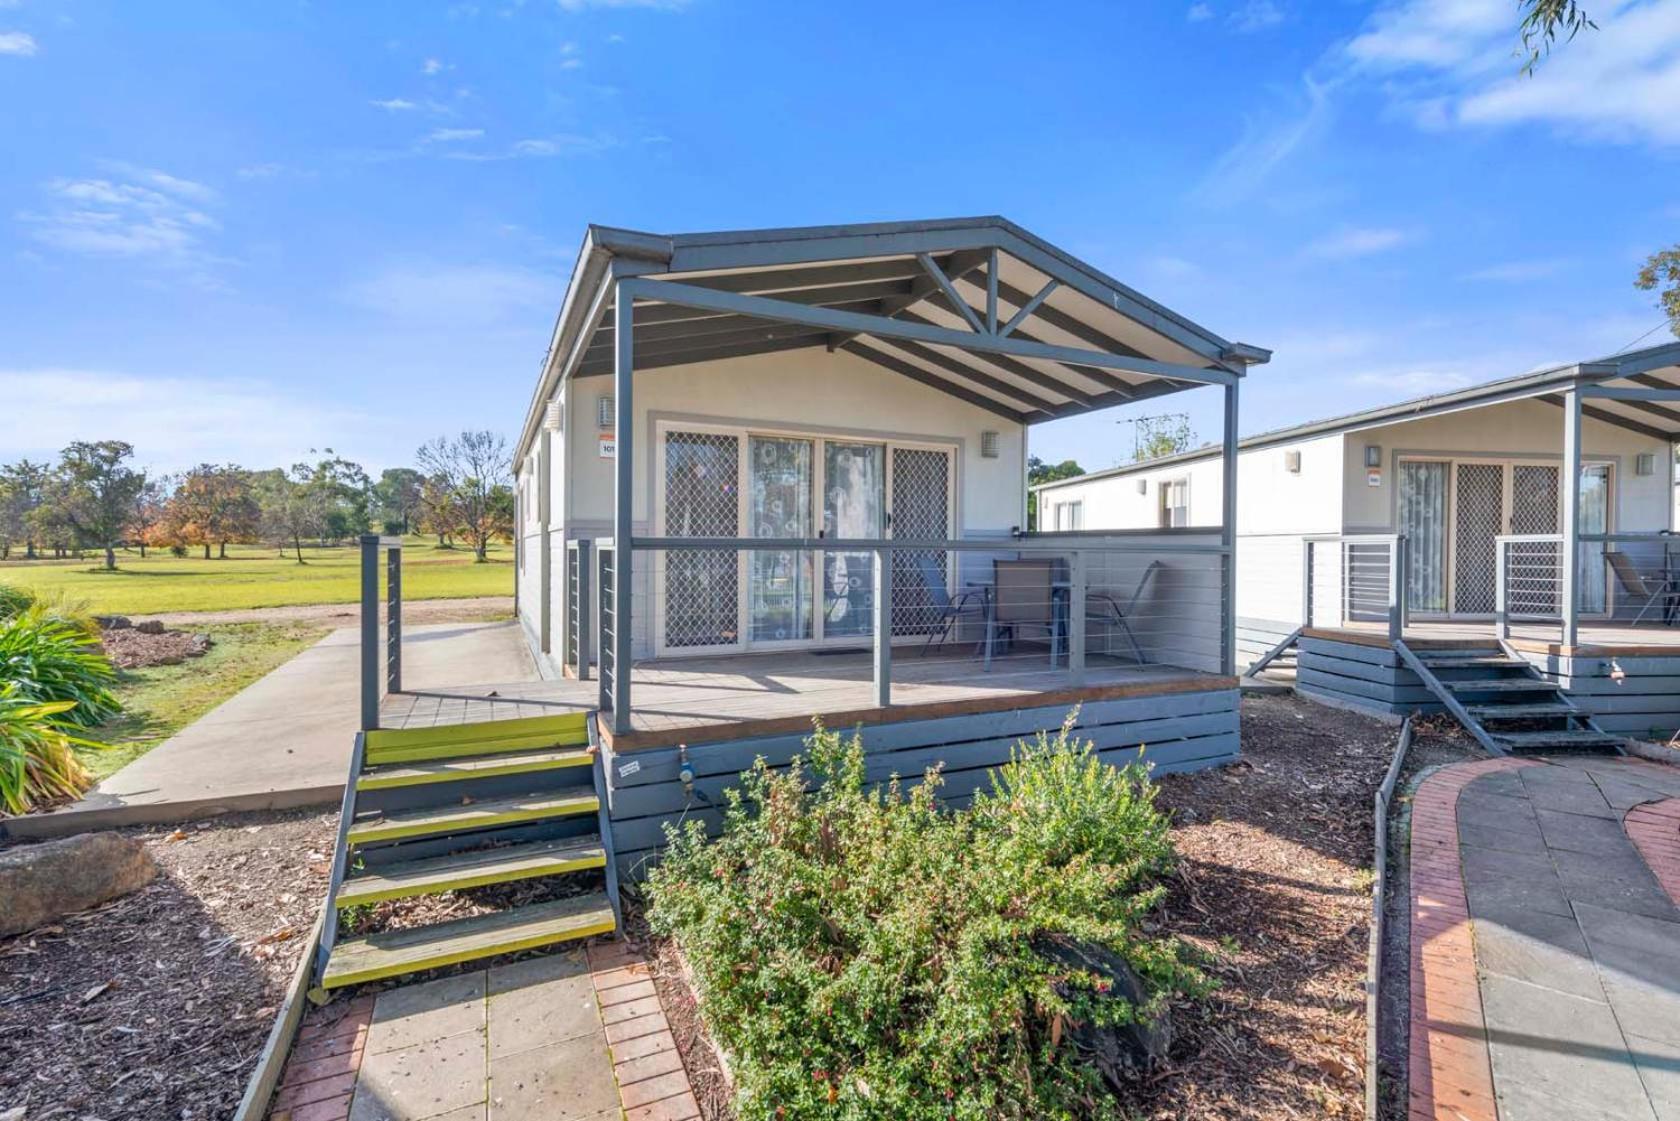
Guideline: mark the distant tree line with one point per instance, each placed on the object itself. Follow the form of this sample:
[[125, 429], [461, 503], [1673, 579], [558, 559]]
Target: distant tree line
[[94, 500]]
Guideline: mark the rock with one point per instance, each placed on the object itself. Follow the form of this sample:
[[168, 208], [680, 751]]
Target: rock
[[1120, 1053], [107, 623], [149, 626], [199, 645], [44, 882]]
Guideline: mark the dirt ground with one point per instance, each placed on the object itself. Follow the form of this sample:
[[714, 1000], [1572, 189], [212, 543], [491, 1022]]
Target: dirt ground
[[415, 612], [155, 1006]]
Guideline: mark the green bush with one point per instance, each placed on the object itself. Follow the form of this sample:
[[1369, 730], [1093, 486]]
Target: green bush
[[14, 601], [50, 660], [36, 760], [861, 954]]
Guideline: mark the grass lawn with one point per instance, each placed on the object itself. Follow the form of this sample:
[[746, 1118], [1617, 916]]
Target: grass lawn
[[254, 576], [161, 700]]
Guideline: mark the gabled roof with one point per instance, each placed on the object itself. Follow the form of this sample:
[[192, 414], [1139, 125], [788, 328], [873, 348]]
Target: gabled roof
[[1656, 367], [1059, 337]]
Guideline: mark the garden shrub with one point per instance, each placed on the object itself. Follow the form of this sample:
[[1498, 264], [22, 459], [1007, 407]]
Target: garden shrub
[[862, 954], [36, 756], [14, 601], [50, 660]]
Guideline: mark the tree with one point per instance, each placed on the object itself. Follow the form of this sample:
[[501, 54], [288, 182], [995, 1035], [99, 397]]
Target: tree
[[1661, 274], [24, 488], [437, 511], [289, 512], [398, 495], [95, 492], [1541, 22], [212, 506], [469, 469], [1157, 436], [340, 493], [1038, 472], [150, 504]]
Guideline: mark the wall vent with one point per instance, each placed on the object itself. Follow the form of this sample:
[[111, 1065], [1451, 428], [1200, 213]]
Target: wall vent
[[551, 416], [605, 415], [988, 445], [1645, 463], [1292, 462], [1143, 486]]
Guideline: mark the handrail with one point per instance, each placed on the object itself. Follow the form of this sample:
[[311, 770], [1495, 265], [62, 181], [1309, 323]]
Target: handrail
[[1398, 565], [871, 544]]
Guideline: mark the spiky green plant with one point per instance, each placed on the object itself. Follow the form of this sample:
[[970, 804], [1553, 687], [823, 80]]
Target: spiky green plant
[[14, 601], [36, 757], [49, 660]]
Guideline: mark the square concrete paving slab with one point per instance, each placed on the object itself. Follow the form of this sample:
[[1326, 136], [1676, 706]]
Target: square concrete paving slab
[[423, 1013], [1659, 1065], [1600, 836], [1550, 953], [1620, 883], [1561, 1048], [422, 1081], [541, 1001], [570, 1081], [1581, 797]]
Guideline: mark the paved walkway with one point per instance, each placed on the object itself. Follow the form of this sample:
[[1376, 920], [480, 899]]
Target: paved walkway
[[285, 739], [1545, 941], [575, 1035]]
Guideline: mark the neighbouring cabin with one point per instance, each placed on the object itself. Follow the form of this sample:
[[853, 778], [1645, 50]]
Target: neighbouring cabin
[[1446, 517], [775, 476]]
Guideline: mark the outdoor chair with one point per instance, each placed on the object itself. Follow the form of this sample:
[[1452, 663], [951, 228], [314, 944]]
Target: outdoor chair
[[1103, 607], [1023, 599], [949, 612], [1650, 589]]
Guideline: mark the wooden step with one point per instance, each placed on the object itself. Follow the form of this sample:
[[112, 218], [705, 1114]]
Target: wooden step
[[435, 821], [472, 869], [392, 954], [475, 767], [1471, 661], [414, 745], [1521, 711], [1566, 739], [1503, 685]]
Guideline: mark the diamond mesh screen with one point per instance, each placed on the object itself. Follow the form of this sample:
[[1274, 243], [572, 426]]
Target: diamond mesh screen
[[1533, 581], [1477, 523], [920, 511], [702, 499]]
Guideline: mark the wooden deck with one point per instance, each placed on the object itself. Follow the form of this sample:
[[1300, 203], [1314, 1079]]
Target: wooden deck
[[706, 699], [1650, 639]]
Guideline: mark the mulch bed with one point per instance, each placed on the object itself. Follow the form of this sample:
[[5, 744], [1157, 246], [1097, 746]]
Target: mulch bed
[[1275, 885], [156, 1005], [131, 648]]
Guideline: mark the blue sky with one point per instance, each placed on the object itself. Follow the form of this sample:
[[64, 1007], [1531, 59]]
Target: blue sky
[[239, 232]]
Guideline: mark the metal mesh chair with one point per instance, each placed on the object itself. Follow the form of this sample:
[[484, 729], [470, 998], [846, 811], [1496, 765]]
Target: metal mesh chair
[[948, 611], [1633, 583]]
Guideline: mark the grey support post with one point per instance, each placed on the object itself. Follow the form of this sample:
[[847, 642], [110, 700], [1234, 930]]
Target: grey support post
[[1228, 537], [1501, 604], [370, 632], [581, 617], [1076, 618], [1397, 588], [883, 627], [1570, 548], [393, 618], [624, 481], [545, 574]]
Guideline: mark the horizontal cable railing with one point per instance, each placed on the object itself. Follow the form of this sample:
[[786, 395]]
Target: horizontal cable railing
[[1042, 604], [1618, 577], [1354, 579]]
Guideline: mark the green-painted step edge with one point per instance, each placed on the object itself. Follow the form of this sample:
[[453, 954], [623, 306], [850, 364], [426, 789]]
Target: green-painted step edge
[[392, 745], [378, 956], [472, 767], [443, 820], [476, 869]]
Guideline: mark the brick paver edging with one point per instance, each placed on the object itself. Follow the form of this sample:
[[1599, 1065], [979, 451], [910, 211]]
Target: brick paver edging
[[1654, 829], [1450, 1075], [320, 1074], [652, 1081]]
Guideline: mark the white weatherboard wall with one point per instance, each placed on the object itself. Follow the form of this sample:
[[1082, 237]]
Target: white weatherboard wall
[[806, 391]]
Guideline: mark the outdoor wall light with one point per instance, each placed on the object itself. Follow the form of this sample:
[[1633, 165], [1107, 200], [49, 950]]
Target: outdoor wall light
[[1373, 455], [1143, 486], [988, 445], [1645, 463], [1292, 462]]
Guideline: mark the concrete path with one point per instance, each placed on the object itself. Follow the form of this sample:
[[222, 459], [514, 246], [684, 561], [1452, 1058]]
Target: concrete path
[[575, 1035], [1546, 941], [283, 740]]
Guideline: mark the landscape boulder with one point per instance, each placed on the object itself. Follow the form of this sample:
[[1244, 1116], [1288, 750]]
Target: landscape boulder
[[1119, 1053], [149, 626], [40, 883], [113, 622]]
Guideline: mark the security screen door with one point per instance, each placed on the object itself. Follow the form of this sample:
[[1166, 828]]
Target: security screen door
[[701, 589], [1478, 521], [921, 511]]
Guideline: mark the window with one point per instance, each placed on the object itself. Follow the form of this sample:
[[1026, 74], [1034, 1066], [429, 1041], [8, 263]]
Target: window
[[1175, 502], [1070, 515]]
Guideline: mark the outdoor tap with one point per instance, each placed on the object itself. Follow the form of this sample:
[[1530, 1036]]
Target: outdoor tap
[[1617, 674], [685, 771]]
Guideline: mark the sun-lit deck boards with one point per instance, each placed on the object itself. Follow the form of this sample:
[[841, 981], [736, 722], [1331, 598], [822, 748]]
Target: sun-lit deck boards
[[696, 700], [1536, 638]]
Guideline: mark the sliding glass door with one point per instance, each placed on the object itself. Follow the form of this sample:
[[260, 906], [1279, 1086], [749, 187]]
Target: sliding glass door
[[854, 505], [779, 483]]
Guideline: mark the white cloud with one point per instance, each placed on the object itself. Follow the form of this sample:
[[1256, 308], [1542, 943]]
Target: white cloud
[[1265, 144], [659, 5], [19, 43], [139, 213], [1357, 241], [1517, 271], [1199, 13], [1413, 381], [453, 135], [1453, 63], [394, 104], [434, 66], [173, 422], [1256, 15], [431, 293]]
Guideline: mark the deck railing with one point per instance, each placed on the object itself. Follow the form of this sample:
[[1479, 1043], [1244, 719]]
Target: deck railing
[[375, 685], [1618, 576], [1357, 578], [1026, 603]]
